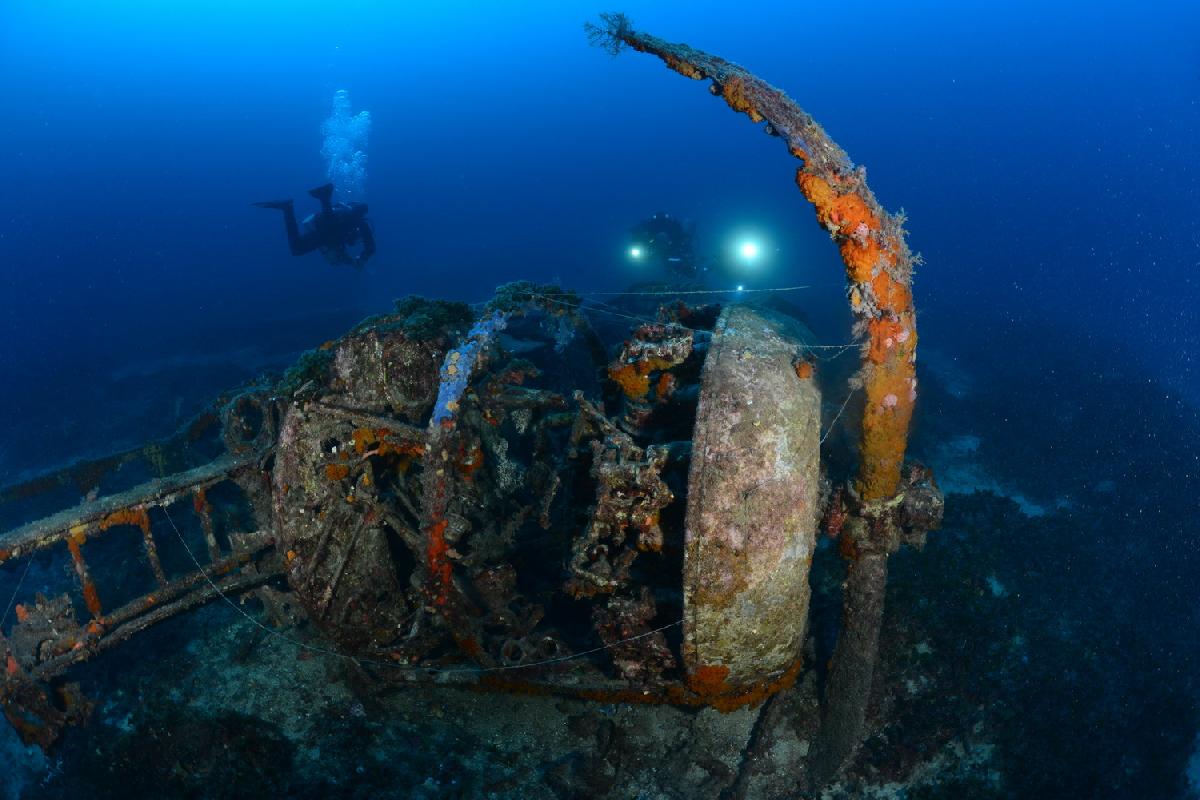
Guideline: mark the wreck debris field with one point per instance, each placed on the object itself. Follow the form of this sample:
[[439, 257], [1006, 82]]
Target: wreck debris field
[[547, 401]]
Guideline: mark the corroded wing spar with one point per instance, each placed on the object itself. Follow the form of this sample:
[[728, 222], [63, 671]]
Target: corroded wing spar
[[47, 637]]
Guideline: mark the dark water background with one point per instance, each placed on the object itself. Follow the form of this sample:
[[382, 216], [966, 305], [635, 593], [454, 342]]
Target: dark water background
[[1046, 153]]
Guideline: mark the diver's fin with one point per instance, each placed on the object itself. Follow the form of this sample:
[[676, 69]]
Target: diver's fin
[[278, 204], [322, 193]]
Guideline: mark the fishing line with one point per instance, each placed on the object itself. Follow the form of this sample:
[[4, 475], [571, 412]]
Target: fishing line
[[735, 290], [394, 665], [829, 430], [12, 600]]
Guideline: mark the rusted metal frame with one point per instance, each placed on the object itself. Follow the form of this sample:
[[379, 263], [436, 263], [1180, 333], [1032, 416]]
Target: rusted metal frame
[[180, 586], [203, 510], [86, 521], [227, 586], [152, 556], [75, 526], [91, 597], [77, 637]]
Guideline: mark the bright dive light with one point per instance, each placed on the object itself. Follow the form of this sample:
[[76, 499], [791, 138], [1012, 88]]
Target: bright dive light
[[748, 250], [635, 253]]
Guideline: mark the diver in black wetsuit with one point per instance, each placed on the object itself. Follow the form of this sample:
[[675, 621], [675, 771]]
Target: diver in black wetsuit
[[666, 241], [332, 231]]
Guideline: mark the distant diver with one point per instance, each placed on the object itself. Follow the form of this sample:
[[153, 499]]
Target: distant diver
[[333, 231], [665, 241]]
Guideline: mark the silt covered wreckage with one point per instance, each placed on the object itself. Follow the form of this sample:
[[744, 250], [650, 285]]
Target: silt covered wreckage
[[513, 497]]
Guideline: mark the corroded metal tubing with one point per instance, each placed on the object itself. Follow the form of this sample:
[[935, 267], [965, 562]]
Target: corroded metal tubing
[[97, 516], [230, 585], [90, 596], [853, 667], [203, 510]]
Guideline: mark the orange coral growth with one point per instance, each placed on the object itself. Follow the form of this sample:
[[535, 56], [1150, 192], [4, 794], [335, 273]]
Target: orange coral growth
[[650, 540], [804, 370], [666, 386], [890, 294], [860, 260], [12, 666], [849, 211], [817, 191], [850, 219], [127, 516], [886, 418], [91, 598], [200, 501], [734, 92], [684, 68], [631, 380], [634, 379], [709, 680], [883, 334], [362, 438], [471, 462], [756, 694], [336, 472], [371, 441], [438, 555], [21, 613]]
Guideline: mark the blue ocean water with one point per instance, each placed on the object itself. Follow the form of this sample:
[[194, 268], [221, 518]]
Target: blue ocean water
[[1046, 155]]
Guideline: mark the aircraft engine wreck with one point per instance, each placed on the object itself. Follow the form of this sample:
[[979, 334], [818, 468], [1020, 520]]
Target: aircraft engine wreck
[[518, 497], [492, 502]]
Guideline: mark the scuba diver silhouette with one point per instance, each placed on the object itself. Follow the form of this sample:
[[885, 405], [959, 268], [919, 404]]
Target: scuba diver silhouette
[[667, 242], [333, 230]]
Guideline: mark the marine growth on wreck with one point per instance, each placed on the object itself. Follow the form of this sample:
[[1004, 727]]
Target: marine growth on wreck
[[519, 497]]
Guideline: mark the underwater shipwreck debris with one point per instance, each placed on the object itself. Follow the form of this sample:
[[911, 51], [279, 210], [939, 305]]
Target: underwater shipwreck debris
[[879, 269]]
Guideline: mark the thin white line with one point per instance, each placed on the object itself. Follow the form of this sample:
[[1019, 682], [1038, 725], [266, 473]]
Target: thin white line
[[839, 415], [394, 665], [12, 600], [673, 293]]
